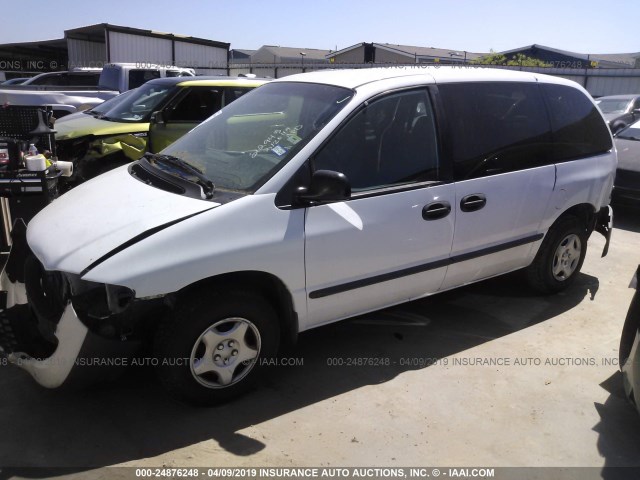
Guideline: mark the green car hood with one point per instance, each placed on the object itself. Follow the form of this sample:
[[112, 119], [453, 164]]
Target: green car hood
[[87, 125]]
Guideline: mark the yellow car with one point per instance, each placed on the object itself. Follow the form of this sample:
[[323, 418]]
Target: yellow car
[[147, 119]]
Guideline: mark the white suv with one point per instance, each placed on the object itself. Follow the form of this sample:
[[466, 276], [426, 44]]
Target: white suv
[[311, 199]]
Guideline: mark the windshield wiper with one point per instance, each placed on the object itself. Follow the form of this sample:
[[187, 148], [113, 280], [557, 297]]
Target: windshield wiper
[[207, 185]]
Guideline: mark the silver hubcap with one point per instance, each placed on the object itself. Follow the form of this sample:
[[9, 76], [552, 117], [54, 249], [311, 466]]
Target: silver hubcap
[[566, 258], [225, 353]]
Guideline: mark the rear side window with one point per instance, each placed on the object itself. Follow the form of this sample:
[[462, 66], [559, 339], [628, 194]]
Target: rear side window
[[196, 105], [578, 128], [57, 79], [199, 103], [138, 77], [83, 80], [496, 127]]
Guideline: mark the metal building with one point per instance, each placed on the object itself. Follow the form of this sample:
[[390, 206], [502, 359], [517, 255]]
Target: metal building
[[95, 45], [275, 61], [400, 54]]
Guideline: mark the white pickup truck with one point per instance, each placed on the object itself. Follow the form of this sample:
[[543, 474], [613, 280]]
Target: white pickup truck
[[114, 79]]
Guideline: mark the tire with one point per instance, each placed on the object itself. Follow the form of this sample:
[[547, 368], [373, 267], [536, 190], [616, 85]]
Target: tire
[[560, 257], [236, 331], [630, 329]]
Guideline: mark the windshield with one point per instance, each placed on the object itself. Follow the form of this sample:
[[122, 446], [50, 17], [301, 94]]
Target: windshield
[[246, 142], [632, 132], [138, 106], [614, 105], [105, 106]]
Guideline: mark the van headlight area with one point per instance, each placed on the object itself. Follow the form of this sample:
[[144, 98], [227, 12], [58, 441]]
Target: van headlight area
[[67, 331]]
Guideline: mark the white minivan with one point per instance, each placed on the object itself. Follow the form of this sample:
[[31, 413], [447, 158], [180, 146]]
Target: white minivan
[[314, 198]]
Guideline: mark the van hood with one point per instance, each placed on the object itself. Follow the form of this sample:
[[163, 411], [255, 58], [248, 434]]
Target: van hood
[[85, 124], [101, 215]]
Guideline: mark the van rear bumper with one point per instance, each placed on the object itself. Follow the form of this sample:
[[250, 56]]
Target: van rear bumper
[[604, 226]]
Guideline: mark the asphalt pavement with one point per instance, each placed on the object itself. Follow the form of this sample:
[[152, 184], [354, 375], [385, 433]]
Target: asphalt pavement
[[489, 375]]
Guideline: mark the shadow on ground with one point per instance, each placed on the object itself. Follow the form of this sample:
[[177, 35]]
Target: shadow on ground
[[132, 419], [618, 431]]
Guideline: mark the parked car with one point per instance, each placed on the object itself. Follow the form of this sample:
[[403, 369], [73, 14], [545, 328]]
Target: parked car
[[71, 78], [147, 120], [96, 110], [630, 347], [69, 92], [125, 76], [313, 198], [15, 81], [619, 110], [627, 184]]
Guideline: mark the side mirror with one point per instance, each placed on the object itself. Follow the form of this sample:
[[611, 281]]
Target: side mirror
[[326, 186], [636, 112], [617, 126], [157, 118]]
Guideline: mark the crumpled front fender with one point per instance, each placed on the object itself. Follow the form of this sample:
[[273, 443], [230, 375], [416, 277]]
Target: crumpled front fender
[[109, 152], [131, 145]]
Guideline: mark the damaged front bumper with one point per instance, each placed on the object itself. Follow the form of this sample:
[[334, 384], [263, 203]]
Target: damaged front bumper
[[65, 339], [604, 226], [92, 156], [52, 372]]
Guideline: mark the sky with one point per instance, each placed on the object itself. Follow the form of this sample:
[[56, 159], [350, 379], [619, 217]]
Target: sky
[[578, 26]]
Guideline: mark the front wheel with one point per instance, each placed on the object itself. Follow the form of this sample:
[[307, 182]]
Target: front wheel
[[560, 257], [213, 347]]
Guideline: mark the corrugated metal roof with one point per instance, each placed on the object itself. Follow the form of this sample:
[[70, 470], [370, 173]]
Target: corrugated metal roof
[[96, 33], [612, 60], [621, 58], [413, 51], [243, 51], [293, 53], [345, 50]]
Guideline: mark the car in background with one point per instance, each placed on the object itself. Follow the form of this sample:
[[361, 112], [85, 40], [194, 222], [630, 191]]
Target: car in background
[[15, 81], [619, 110], [627, 183], [630, 347], [147, 120], [98, 109], [72, 78]]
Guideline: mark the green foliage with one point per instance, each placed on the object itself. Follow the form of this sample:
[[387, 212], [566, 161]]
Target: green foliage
[[518, 60]]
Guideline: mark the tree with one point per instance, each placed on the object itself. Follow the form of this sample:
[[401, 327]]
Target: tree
[[518, 60]]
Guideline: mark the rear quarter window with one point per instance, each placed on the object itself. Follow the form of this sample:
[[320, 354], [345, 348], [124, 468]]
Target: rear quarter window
[[496, 127], [84, 80], [138, 77], [578, 129]]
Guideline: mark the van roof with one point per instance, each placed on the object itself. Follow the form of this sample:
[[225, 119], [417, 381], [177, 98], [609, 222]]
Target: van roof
[[210, 81], [353, 78]]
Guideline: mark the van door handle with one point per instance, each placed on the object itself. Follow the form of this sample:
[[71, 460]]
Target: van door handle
[[473, 202], [436, 210]]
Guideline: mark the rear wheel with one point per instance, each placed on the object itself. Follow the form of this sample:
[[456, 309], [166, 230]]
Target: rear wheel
[[213, 348], [560, 257], [631, 327]]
